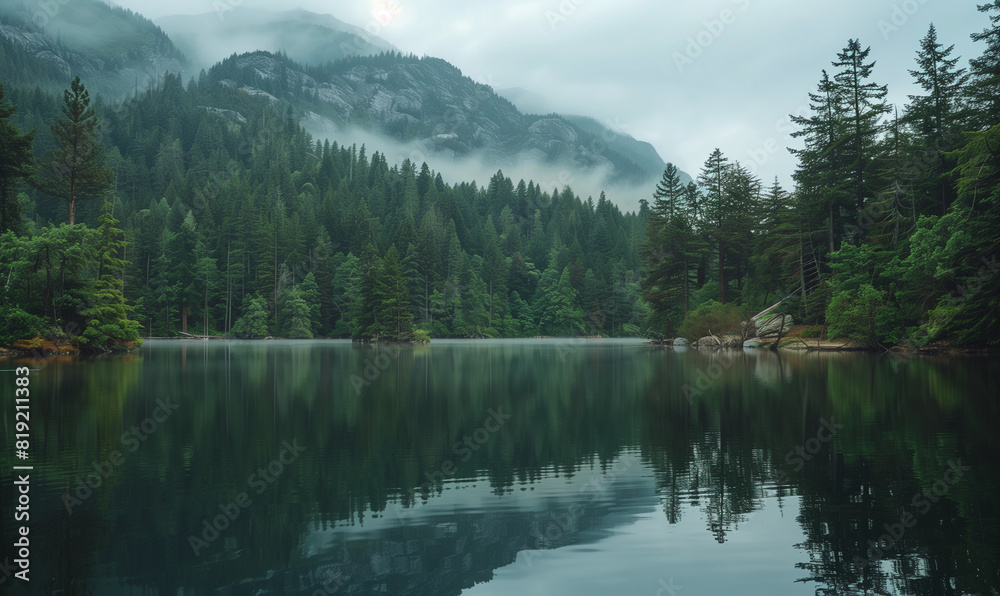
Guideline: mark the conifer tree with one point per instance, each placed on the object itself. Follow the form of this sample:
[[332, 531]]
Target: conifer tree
[[713, 180], [823, 168], [109, 325], [17, 162], [937, 116], [395, 321], [76, 169], [865, 105], [984, 87]]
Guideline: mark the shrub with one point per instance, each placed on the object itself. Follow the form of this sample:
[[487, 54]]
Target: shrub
[[421, 336], [810, 333], [253, 323], [713, 318], [864, 315], [17, 324]]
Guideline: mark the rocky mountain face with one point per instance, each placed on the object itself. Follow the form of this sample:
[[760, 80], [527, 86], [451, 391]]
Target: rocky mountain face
[[429, 102], [115, 51], [339, 80]]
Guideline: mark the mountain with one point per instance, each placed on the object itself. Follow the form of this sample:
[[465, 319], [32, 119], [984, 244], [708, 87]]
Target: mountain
[[343, 83], [115, 50], [431, 107], [305, 37], [642, 153]]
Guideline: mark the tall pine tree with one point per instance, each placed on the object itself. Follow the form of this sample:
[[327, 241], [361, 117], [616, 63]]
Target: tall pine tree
[[76, 169]]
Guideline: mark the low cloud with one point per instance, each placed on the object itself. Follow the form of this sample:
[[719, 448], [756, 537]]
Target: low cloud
[[479, 167]]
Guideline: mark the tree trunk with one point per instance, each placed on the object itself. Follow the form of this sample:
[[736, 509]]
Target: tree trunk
[[802, 270], [229, 286], [687, 278], [184, 318], [722, 272], [829, 207]]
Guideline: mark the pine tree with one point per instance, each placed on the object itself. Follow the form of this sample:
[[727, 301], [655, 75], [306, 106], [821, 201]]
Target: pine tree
[[296, 311], [494, 272], [865, 104], [109, 325], [664, 250], [984, 87], [17, 162], [395, 321], [253, 323], [309, 290], [823, 168], [668, 195], [717, 209], [365, 300], [76, 170], [937, 116]]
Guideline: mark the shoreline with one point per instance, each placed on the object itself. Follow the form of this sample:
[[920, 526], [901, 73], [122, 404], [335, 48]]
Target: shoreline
[[63, 348]]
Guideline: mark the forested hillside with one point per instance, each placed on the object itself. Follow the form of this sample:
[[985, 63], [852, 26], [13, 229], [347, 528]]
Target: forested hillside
[[116, 51], [891, 232], [205, 208], [238, 222]]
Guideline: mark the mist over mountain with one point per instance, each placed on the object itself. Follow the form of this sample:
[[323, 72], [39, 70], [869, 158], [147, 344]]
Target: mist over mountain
[[426, 109], [341, 82], [305, 37], [640, 152], [116, 50]]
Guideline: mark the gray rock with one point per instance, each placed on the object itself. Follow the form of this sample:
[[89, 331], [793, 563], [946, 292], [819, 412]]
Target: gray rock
[[772, 325], [731, 341], [709, 341], [751, 344], [680, 342]]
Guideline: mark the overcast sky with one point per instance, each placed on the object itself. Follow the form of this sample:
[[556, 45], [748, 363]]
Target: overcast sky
[[685, 76]]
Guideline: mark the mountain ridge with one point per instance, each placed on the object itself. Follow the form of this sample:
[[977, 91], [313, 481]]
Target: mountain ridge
[[424, 107], [308, 38], [430, 102], [116, 50]]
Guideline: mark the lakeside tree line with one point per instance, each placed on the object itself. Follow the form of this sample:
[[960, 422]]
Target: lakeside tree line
[[234, 220], [891, 231]]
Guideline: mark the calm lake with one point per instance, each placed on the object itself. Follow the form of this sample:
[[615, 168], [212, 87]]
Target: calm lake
[[507, 467]]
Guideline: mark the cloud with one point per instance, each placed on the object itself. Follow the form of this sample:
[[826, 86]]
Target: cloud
[[754, 61], [476, 167]]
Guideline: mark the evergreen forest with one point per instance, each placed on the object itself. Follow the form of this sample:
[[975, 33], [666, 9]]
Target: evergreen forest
[[198, 208]]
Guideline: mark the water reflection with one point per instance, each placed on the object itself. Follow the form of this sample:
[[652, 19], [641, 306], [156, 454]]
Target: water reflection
[[498, 466]]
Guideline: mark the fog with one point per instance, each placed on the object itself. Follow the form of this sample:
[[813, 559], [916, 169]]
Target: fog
[[480, 168], [686, 76], [306, 37]]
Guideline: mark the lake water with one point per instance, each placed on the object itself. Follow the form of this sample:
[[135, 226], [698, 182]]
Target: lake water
[[507, 467]]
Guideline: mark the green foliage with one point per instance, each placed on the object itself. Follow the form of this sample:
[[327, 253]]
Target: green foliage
[[109, 325], [236, 219], [712, 318], [889, 220], [556, 308], [17, 162], [253, 323], [76, 169], [298, 323], [811, 333], [17, 324], [309, 291], [863, 314]]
